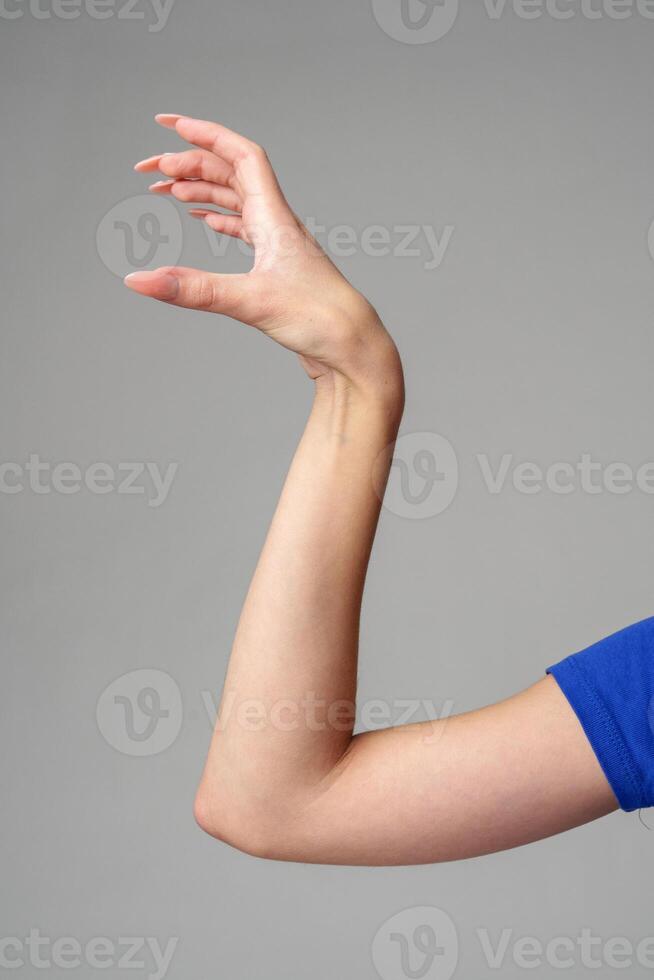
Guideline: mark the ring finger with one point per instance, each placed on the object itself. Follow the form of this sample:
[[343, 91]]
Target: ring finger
[[199, 191]]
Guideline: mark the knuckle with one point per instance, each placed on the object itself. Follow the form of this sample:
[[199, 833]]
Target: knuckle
[[199, 163], [168, 165], [257, 152], [203, 294], [183, 164], [182, 191]]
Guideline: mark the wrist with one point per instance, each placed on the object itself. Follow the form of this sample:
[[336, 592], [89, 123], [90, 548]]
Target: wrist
[[370, 394], [368, 363]]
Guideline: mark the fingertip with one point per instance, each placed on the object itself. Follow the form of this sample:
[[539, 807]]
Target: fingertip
[[142, 166], [158, 284], [168, 119], [148, 164], [188, 127]]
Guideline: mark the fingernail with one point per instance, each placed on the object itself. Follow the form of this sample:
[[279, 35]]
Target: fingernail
[[168, 119], [166, 285], [147, 161], [158, 184], [198, 213]]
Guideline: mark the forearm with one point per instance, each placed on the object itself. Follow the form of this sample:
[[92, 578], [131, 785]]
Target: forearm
[[288, 704]]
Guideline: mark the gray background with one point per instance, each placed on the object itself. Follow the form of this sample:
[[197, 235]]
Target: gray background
[[533, 138]]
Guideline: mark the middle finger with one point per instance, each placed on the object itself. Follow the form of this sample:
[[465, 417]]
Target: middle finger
[[189, 163]]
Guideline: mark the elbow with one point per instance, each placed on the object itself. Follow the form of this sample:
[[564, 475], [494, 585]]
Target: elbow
[[247, 826]]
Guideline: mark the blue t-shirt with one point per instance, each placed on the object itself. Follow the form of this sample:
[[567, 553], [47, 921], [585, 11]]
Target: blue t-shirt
[[610, 686]]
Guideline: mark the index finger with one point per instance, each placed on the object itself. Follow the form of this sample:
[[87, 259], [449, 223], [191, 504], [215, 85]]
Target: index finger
[[224, 142]]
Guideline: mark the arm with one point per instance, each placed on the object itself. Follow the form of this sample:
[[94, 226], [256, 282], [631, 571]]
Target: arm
[[285, 778]]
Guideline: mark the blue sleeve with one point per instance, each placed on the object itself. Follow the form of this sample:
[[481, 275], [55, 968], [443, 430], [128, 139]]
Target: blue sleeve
[[610, 687]]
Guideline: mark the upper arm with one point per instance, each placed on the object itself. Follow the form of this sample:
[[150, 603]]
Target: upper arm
[[484, 781]]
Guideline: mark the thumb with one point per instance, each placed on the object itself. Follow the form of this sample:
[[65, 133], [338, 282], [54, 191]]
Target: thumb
[[233, 295]]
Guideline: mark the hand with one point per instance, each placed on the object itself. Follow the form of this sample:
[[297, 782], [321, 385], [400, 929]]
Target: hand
[[293, 293]]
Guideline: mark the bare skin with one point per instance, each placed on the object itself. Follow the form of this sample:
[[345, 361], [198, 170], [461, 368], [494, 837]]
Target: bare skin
[[282, 781]]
